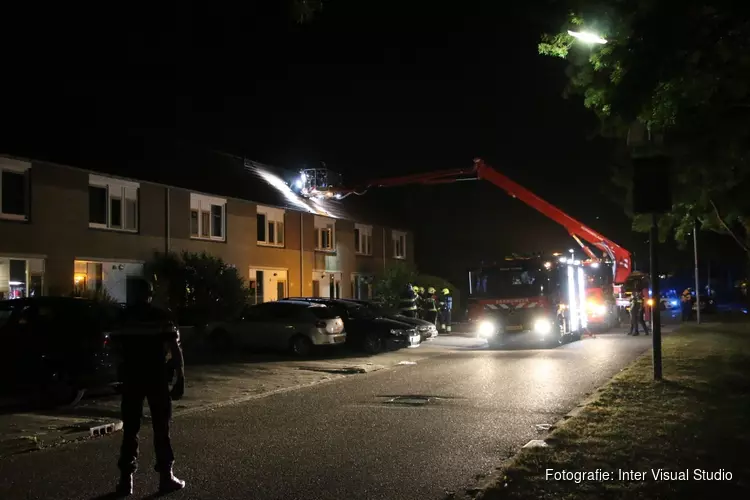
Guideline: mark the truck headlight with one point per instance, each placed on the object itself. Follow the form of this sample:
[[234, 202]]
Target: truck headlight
[[486, 329], [543, 326]]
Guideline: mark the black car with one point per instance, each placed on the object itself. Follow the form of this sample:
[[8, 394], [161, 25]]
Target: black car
[[56, 348], [366, 330], [426, 329]]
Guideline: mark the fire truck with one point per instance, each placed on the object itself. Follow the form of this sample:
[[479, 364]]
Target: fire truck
[[546, 296], [602, 275]]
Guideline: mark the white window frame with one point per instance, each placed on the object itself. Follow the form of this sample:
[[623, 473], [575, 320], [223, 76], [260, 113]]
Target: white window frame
[[202, 205], [323, 225], [399, 237], [16, 167], [124, 191], [274, 217], [363, 239]]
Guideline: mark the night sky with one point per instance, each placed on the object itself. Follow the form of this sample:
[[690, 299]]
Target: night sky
[[372, 93]]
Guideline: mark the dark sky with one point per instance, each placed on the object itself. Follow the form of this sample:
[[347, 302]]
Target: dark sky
[[394, 88]]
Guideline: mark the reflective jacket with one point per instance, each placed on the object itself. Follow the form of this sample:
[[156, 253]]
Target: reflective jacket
[[430, 304]]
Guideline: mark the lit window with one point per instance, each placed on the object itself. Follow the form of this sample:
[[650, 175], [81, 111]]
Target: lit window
[[207, 217], [113, 203]]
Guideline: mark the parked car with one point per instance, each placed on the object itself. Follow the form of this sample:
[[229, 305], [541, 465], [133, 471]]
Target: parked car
[[427, 330], [707, 305], [56, 348], [365, 330], [282, 325]]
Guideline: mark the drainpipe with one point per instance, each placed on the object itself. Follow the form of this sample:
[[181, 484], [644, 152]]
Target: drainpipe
[[384, 249], [168, 242], [301, 254]]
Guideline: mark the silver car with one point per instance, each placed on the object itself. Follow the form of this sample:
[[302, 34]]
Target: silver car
[[284, 325]]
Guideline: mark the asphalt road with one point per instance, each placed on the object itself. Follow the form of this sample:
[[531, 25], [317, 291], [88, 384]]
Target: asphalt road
[[344, 440]]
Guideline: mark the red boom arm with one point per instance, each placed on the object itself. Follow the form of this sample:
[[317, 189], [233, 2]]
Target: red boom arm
[[620, 256]]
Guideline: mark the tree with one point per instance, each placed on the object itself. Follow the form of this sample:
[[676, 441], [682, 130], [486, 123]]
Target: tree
[[304, 10], [680, 69], [390, 284], [197, 287]]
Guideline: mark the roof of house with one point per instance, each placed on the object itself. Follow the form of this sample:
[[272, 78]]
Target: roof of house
[[212, 172]]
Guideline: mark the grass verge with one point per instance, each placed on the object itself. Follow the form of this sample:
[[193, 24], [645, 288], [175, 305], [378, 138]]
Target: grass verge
[[697, 418]]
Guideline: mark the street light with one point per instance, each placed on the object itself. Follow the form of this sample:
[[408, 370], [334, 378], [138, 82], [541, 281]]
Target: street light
[[587, 37]]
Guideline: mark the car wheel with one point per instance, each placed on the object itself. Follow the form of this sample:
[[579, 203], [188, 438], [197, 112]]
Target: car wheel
[[221, 340], [62, 392], [373, 343], [301, 346]]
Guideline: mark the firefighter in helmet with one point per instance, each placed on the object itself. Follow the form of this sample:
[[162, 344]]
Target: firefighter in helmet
[[419, 291], [431, 306], [446, 306], [636, 314], [408, 302]]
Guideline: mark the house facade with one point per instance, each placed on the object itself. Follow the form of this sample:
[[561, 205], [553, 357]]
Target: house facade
[[64, 229]]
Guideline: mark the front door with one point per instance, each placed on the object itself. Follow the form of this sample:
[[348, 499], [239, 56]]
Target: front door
[[280, 289]]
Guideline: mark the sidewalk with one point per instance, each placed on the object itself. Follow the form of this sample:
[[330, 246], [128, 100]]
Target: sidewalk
[[686, 436], [212, 384]]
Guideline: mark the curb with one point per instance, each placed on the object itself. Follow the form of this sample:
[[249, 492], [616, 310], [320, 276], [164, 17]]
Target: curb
[[38, 442], [251, 397], [496, 476]]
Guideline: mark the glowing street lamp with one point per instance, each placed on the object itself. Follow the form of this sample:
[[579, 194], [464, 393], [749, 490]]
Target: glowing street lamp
[[587, 37]]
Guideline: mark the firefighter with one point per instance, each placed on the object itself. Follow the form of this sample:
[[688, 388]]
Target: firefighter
[[446, 306], [686, 304], [636, 314], [408, 302], [431, 309], [146, 339], [420, 301]]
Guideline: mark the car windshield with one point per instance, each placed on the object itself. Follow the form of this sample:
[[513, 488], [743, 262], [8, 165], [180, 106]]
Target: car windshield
[[507, 282], [380, 309], [360, 312]]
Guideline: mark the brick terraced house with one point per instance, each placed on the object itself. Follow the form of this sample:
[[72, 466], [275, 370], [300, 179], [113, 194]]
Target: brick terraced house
[[63, 227]]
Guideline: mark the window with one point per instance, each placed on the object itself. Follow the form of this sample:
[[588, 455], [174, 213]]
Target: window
[[325, 234], [207, 217], [14, 189], [363, 239], [270, 226], [113, 203], [399, 244]]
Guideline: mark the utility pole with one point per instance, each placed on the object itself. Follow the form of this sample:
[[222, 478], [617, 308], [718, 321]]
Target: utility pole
[[697, 281], [655, 299]]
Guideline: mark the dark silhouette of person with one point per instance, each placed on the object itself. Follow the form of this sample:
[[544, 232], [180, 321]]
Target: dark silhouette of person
[[146, 337]]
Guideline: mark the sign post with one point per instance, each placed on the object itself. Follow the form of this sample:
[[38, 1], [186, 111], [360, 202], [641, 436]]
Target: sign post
[[651, 195]]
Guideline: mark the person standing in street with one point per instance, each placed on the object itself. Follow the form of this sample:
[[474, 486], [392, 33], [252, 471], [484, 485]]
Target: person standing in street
[[686, 304], [446, 306], [637, 314], [145, 340], [431, 309], [408, 302]]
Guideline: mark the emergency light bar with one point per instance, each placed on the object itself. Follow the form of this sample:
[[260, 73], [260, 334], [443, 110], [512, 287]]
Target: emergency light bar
[[576, 294]]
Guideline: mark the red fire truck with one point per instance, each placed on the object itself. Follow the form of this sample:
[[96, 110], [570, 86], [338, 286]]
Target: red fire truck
[[602, 274], [542, 295]]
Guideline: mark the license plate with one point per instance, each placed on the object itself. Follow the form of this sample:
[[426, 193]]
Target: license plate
[[415, 340], [514, 328]]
